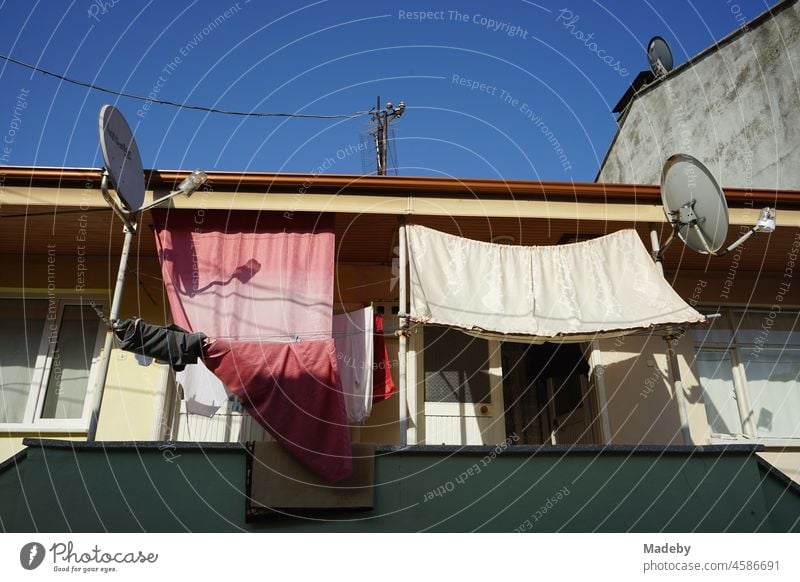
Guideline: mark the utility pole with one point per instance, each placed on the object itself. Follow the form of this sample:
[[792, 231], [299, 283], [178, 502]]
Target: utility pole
[[381, 118]]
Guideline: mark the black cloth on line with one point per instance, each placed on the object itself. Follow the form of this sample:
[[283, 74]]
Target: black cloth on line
[[169, 344]]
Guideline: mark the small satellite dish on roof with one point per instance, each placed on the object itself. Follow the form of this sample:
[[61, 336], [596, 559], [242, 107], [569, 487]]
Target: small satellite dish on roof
[[696, 207], [122, 159], [659, 55]]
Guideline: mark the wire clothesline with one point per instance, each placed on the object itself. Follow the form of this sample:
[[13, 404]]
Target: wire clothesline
[[176, 104]]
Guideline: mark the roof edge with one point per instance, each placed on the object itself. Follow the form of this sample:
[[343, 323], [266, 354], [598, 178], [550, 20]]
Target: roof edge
[[399, 186]]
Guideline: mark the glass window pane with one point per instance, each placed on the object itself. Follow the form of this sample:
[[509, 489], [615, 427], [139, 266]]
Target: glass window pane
[[21, 327], [456, 366], [72, 360], [716, 379], [716, 331], [773, 379], [767, 327]]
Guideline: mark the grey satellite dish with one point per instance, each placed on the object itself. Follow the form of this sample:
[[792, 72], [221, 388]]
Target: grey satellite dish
[[122, 159], [696, 207], [659, 56], [690, 193]]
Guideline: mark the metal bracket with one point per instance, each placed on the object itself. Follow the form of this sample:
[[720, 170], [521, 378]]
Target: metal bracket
[[121, 214]]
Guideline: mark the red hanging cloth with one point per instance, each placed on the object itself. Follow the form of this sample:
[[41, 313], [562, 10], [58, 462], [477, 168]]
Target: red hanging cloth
[[261, 283]]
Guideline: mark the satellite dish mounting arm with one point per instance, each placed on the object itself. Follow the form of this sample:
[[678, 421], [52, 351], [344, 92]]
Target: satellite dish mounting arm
[[187, 187], [121, 214], [686, 217]]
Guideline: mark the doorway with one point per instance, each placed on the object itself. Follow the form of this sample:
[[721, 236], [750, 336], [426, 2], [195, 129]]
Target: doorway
[[547, 393]]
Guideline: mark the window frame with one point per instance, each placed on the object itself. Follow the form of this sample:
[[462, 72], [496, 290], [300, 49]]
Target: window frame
[[734, 346], [43, 366]]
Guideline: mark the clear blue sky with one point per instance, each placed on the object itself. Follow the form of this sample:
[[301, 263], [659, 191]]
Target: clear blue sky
[[336, 57]]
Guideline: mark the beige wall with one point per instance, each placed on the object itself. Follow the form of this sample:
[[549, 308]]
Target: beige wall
[[641, 402], [785, 459]]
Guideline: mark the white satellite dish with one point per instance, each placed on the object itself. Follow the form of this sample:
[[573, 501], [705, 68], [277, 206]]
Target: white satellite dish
[[122, 159], [696, 207], [659, 55]]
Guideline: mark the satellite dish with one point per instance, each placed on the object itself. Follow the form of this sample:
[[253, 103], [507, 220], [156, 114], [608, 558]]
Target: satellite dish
[[121, 156], [693, 199], [659, 56]]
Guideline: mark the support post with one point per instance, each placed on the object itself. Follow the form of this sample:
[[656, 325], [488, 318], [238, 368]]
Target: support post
[[677, 387], [105, 359], [403, 338]]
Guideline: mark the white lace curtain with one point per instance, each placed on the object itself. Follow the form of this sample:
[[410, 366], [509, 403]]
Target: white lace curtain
[[606, 286]]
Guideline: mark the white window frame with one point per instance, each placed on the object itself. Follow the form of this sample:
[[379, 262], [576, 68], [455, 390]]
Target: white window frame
[[32, 421], [749, 432]]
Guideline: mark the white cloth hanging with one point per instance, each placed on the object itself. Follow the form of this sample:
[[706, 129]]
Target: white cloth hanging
[[605, 286], [203, 392], [354, 341]]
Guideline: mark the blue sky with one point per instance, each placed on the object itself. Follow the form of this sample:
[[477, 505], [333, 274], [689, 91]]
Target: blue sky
[[481, 80]]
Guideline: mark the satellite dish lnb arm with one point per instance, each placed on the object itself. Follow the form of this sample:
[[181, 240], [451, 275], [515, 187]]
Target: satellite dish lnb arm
[[727, 249], [766, 223], [186, 188]]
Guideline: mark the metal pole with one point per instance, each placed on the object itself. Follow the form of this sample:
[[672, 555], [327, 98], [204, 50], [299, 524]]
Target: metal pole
[[677, 386], [105, 359], [403, 348]]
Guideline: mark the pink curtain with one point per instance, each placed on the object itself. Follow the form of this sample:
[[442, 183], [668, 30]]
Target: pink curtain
[[248, 275], [261, 284]]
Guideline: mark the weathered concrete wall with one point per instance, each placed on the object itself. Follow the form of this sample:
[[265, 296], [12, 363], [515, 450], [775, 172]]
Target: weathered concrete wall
[[735, 109]]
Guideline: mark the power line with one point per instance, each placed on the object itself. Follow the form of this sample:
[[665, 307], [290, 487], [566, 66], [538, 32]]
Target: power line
[[173, 103]]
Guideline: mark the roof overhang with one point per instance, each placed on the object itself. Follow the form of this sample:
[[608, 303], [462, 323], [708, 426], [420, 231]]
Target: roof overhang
[[400, 195]]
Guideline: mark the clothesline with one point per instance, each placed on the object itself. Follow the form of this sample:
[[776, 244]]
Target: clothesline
[[302, 335]]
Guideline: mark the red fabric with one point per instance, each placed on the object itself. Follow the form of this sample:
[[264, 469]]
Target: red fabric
[[248, 275], [382, 384], [293, 391], [261, 283]]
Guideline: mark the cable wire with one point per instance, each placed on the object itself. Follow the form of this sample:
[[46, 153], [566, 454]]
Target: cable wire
[[175, 104]]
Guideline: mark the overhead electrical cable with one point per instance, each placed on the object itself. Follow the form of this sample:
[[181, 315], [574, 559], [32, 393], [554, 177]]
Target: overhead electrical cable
[[179, 105]]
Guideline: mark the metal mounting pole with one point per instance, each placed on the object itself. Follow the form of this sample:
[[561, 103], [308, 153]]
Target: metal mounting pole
[[105, 359], [403, 339], [677, 386]]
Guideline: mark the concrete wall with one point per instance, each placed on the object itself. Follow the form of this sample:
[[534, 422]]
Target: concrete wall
[[735, 109]]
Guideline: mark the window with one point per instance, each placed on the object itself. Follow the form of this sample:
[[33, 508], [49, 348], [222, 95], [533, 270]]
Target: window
[[47, 351], [456, 367], [749, 368]]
